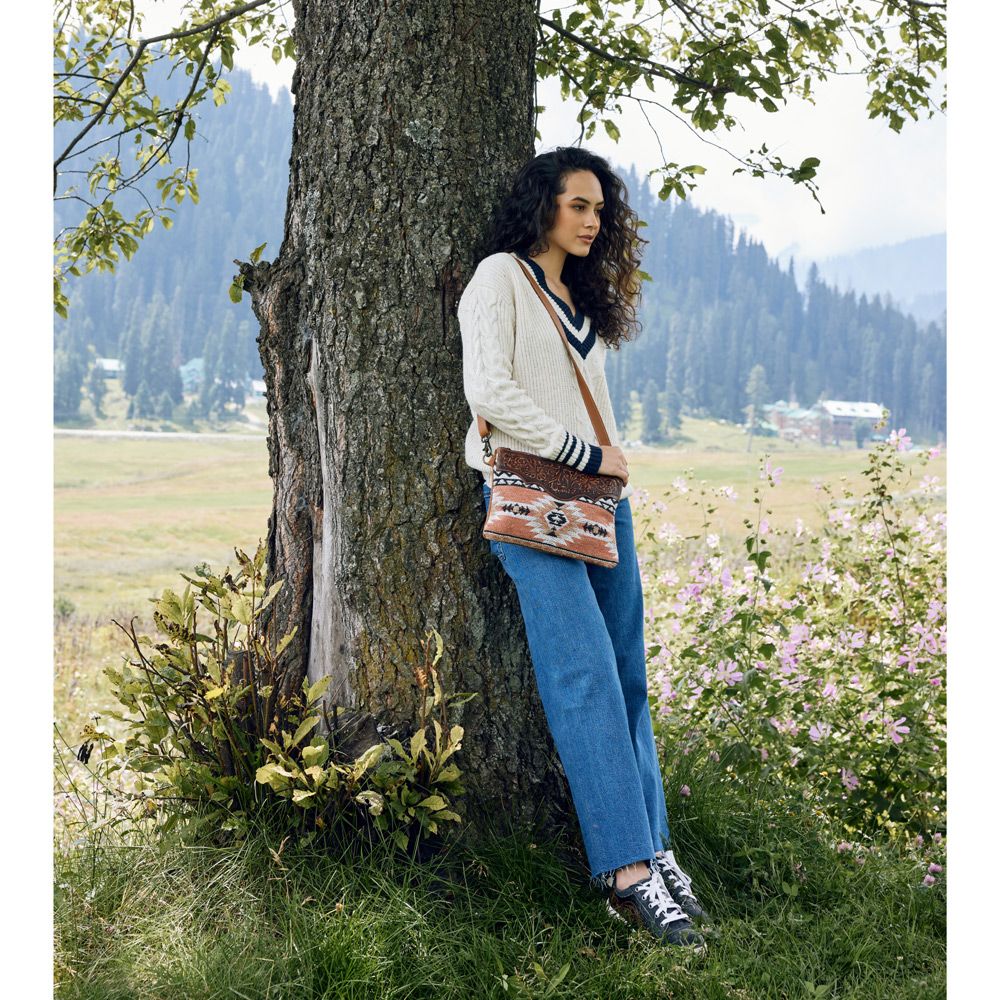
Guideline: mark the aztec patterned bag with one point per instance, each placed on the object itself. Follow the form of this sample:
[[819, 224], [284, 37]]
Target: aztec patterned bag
[[549, 505]]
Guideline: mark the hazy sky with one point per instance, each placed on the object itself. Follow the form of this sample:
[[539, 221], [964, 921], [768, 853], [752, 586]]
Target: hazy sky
[[877, 187]]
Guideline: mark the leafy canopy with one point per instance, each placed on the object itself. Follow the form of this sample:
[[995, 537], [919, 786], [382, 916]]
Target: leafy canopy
[[705, 53], [115, 139]]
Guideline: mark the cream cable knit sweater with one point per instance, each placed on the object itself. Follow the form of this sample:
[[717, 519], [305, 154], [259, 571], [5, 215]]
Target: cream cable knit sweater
[[516, 373]]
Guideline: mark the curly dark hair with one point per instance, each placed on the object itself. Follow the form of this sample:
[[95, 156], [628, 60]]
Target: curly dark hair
[[605, 284]]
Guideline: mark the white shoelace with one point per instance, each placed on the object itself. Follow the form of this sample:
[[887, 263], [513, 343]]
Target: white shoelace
[[655, 892], [667, 857]]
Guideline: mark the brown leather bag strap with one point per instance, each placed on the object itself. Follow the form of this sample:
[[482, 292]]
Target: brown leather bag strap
[[595, 414]]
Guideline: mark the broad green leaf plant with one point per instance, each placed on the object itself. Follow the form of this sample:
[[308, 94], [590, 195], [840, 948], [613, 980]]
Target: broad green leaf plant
[[215, 737], [706, 56]]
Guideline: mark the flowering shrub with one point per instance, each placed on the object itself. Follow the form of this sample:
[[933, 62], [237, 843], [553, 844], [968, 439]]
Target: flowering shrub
[[820, 662]]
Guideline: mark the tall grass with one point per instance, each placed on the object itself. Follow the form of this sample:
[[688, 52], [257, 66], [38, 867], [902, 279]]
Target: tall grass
[[501, 918], [505, 917]]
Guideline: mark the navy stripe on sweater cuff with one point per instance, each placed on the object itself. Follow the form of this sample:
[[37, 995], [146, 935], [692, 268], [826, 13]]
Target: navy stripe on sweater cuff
[[580, 455], [596, 456]]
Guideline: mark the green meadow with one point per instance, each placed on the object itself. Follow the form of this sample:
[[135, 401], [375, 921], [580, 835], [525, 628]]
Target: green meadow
[[132, 513], [795, 917]]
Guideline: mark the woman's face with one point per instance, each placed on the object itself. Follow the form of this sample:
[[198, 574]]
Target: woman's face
[[578, 213]]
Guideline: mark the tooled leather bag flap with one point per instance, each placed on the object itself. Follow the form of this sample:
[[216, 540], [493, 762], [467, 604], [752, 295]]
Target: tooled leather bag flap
[[562, 481]]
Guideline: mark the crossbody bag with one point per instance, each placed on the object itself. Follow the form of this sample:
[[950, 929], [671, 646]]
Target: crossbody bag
[[548, 505]]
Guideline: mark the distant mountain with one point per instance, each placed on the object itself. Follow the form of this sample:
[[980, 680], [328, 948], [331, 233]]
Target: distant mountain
[[718, 310], [718, 306], [911, 274]]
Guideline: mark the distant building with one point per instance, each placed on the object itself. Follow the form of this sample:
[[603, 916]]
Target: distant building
[[843, 415], [793, 422], [258, 388], [829, 420], [192, 374], [108, 367]]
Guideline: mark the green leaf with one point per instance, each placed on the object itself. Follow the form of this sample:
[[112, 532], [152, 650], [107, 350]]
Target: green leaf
[[316, 756], [417, 743], [449, 773], [304, 729], [254, 257], [371, 756], [433, 802], [240, 608], [283, 643]]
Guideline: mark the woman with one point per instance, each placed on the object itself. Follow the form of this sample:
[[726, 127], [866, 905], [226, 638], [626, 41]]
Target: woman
[[568, 219]]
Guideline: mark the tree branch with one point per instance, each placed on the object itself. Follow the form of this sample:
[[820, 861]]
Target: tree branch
[[143, 44], [155, 158], [667, 72]]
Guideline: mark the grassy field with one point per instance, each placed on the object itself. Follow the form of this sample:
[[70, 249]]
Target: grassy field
[[505, 918], [501, 919], [130, 514]]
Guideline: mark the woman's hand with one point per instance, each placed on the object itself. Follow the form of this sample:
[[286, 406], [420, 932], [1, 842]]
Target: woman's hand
[[613, 463]]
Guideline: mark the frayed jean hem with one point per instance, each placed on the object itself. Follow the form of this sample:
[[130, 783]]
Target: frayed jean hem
[[604, 880]]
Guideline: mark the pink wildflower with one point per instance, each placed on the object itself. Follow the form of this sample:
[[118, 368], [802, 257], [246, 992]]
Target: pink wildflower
[[900, 440], [775, 474], [848, 779], [685, 791], [934, 867], [818, 731], [929, 880], [843, 846], [727, 672], [894, 729]]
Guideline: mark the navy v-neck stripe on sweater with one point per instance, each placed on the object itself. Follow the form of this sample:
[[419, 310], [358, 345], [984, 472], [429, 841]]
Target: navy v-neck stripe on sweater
[[573, 325]]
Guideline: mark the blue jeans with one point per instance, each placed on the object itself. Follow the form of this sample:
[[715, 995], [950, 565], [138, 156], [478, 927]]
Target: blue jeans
[[584, 625]]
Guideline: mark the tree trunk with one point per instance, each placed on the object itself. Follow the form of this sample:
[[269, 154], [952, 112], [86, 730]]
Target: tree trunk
[[409, 123]]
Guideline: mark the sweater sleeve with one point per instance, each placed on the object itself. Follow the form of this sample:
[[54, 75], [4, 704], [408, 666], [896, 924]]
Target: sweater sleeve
[[486, 319]]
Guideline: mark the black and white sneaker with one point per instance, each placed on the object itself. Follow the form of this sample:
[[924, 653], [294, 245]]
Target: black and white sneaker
[[649, 904], [678, 882]]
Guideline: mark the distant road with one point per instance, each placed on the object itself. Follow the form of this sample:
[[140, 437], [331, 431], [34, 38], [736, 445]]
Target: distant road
[[159, 435]]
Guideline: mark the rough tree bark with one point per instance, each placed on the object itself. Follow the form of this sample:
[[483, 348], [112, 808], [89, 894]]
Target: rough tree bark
[[409, 122]]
